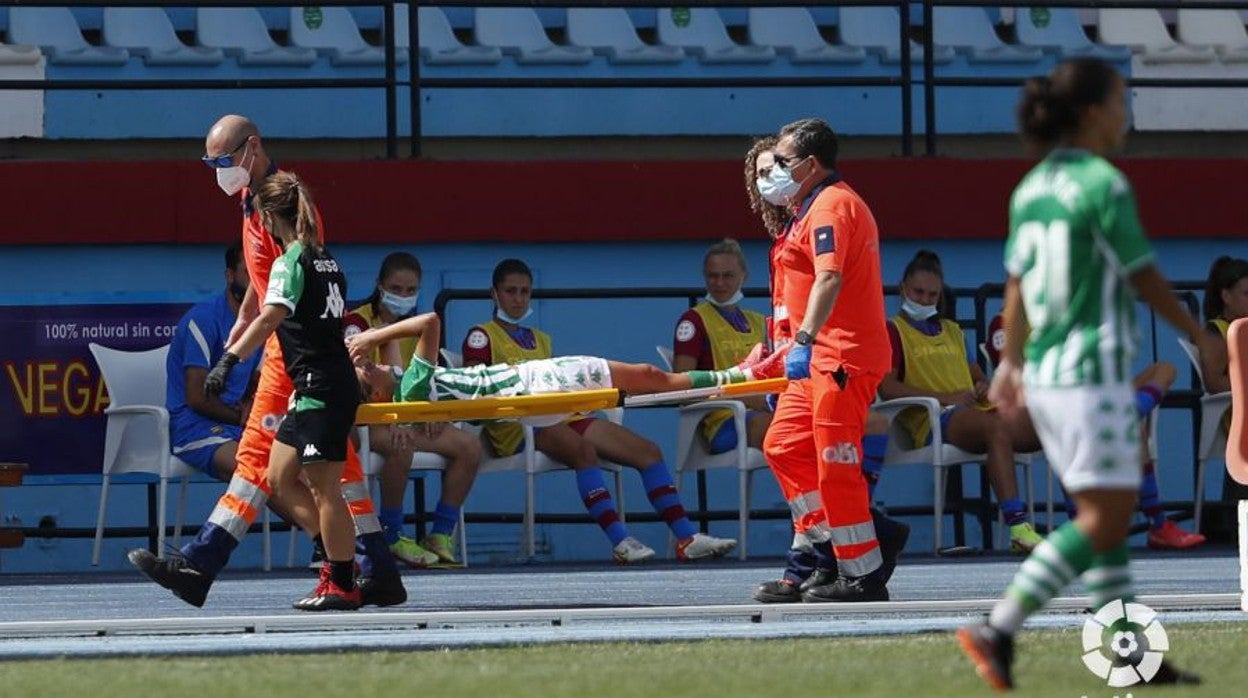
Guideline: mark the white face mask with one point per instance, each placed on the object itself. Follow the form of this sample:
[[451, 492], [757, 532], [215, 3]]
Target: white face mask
[[233, 179], [778, 188], [736, 298], [399, 305], [513, 320], [917, 311]]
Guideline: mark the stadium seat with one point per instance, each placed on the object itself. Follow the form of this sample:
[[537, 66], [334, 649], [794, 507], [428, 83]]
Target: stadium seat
[[878, 30], [519, 32], [438, 43], [1058, 30], [666, 355], [692, 456], [1146, 34], [242, 33], [970, 30], [703, 34], [1213, 409], [940, 455], [137, 433], [56, 31], [1221, 29], [19, 55], [792, 31], [147, 32], [334, 32], [610, 31]]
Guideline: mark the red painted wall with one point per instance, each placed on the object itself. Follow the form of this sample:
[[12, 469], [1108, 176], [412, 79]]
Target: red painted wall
[[413, 202]]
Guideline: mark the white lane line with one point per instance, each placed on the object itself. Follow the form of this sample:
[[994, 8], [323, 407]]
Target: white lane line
[[420, 620]]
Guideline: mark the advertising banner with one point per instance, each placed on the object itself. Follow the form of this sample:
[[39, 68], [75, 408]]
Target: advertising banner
[[53, 398]]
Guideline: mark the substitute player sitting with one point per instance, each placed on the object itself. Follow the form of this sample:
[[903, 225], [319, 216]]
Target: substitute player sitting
[[204, 430]]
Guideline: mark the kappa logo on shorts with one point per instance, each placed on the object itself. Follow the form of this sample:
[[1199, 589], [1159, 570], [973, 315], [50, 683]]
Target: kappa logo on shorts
[[843, 453], [310, 451]]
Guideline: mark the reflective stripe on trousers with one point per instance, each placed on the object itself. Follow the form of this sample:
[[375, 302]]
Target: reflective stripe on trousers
[[238, 507]]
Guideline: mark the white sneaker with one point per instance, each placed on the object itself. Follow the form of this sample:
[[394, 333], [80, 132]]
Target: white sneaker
[[631, 551], [702, 546]]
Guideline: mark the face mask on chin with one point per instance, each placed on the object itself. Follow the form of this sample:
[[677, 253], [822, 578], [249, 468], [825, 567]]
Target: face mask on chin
[[733, 300], [231, 180], [503, 316], [916, 310], [399, 305]]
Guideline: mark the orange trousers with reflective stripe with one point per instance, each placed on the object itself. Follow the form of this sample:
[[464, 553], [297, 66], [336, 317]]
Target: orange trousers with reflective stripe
[[840, 419], [789, 449], [267, 410]]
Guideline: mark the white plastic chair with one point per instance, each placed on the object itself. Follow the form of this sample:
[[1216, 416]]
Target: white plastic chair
[[940, 455], [666, 354], [705, 36], [792, 31], [438, 43], [1212, 443], [337, 36], [56, 31], [970, 29], [19, 55], [1221, 29], [147, 32], [519, 32], [878, 30], [137, 434], [242, 33], [692, 456], [1146, 34], [1060, 31], [610, 31]]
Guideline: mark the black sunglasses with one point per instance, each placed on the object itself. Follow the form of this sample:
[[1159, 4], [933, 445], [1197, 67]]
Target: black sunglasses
[[226, 160], [784, 161]]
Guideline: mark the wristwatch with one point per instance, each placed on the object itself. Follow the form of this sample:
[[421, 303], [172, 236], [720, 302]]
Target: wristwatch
[[803, 338]]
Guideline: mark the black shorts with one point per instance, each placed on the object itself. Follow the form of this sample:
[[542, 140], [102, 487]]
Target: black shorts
[[319, 430]]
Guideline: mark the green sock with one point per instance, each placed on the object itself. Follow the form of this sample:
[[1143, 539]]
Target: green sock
[[1109, 577], [714, 379], [1064, 555]]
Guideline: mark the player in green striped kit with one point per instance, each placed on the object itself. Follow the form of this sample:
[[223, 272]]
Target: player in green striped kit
[[1075, 253], [425, 381]]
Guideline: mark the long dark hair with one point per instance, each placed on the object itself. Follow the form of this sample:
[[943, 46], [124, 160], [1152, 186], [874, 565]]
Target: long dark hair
[[1052, 106], [1223, 274], [395, 261], [285, 196], [773, 216]]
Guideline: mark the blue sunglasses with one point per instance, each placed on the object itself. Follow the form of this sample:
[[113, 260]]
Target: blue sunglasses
[[226, 160]]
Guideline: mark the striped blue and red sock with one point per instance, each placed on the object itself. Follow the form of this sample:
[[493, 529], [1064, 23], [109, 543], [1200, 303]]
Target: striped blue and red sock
[[598, 502], [666, 500]]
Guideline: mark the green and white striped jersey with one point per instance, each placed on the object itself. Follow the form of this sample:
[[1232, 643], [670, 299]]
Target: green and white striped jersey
[[1075, 237], [423, 381]]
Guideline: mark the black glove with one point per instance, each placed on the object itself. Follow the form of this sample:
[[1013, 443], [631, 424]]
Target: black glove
[[214, 384]]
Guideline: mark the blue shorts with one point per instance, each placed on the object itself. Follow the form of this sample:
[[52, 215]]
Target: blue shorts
[[945, 414], [195, 439], [725, 438]]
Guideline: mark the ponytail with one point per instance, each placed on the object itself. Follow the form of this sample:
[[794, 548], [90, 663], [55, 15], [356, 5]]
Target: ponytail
[[1052, 106], [305, 219]]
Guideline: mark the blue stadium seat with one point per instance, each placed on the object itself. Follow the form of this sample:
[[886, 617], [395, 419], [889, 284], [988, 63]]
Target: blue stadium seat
[[969, 29], [438, 43], [242, 33], [333, 32], [147, 32], [55, 30], [701, 31], [610, 31], [878, 29], [1058, 30], [519, 32], [792, 31]]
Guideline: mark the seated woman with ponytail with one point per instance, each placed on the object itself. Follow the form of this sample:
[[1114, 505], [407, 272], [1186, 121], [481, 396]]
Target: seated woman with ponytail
[[930, 359]]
